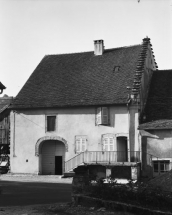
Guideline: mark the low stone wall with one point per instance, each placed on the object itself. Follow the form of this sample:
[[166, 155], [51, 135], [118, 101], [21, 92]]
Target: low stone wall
[[113, 205]]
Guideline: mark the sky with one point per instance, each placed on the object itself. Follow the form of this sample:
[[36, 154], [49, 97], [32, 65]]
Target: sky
[[31, 29]]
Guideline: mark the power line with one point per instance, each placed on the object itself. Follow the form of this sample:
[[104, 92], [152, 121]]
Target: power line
[[29, 120]]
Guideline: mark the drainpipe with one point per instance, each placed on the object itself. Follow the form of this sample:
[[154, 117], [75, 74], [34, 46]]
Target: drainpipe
[[14, 121], [128, 129], [128, 102]]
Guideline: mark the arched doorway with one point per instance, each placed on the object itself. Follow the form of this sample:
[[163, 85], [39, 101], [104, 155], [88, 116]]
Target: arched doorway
[[53, 157], [51, 152]]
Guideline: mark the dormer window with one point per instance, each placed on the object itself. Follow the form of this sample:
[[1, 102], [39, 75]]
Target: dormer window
[[116, 68], [102, 116]]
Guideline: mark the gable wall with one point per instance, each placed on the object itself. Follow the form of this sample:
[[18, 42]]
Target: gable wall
[[157, 143], [146, 77], [70, 122]]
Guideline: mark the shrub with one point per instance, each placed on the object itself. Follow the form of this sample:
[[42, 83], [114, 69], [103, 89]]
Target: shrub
[[133, 193]]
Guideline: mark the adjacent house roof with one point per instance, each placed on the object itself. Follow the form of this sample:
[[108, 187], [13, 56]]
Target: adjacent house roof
[[158, 110], [81, 79], [5, 101], [2, 87]]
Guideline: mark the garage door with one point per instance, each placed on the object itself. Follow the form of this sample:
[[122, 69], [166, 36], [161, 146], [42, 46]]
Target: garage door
[[53, 155], [48, 154]]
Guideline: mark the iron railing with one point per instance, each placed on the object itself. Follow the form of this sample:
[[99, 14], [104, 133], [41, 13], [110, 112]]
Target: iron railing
[[102, 157]]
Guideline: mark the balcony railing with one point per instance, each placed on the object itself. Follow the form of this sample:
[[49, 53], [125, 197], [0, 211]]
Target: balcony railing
[[102, 157]]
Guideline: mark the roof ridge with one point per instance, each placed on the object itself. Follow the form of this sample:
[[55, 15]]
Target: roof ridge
[[81, 52]]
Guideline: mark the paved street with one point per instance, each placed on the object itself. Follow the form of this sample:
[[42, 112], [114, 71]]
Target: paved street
[[29, 190]]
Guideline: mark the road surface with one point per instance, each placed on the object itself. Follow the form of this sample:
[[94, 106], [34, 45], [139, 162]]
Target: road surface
[[27, 190]]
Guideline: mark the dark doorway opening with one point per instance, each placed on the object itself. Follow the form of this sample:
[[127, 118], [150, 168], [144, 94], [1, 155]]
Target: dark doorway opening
[[58, 165], [122, 149]]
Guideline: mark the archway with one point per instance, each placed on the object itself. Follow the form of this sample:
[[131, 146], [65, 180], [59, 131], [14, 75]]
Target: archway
[[51, 151]]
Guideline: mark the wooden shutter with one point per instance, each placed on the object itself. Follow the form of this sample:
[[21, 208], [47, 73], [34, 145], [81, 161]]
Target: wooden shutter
[[78, 144], [99, 116], [111, 144], [104, 115], [105, 143], [84, 141], [108, 144]]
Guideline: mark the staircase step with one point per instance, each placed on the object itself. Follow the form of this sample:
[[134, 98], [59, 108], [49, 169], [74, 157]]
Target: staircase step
[[68, 174]]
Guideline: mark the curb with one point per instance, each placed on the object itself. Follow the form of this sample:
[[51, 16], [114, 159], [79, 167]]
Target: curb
[[113, 205]]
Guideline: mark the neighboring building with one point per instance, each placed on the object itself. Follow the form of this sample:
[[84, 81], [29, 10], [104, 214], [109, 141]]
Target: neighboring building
[[5, 102], [82, 108], [156, 124], [2, 87]]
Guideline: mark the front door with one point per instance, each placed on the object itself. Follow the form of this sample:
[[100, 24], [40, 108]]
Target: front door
[[122, 149], [58, 165]]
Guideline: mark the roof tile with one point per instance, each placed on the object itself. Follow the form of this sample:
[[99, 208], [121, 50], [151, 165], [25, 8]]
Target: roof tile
[[80, 79]]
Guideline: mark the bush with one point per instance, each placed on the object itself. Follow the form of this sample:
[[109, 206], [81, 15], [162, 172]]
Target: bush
[[138, 194]]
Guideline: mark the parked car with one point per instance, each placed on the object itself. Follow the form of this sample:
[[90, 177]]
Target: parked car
[[4, 164]]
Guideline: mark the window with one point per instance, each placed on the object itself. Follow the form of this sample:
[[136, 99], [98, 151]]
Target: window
[[102, 116], [116, 68], [161, 166], [108, 142], [50, 123], [80, 144]]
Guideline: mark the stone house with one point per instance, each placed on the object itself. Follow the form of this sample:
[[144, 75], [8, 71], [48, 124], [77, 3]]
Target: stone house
[[156, 124], [83, 109]]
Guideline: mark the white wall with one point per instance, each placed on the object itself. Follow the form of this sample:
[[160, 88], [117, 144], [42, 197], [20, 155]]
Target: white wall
[[29, 126]]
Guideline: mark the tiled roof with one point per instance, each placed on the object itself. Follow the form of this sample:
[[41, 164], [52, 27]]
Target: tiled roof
[[158, 124], [158, 110], [80, 79], [5, 102], [2, 86]]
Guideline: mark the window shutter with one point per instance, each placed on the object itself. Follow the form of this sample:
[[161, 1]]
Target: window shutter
[[84, 144], [104, 115], [78, 149], [99, 116], [111, 144], [105, 144]]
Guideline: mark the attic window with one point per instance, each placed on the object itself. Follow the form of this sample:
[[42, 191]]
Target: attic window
[[116, 68]]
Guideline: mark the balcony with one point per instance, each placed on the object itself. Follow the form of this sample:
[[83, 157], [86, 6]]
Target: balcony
[[103, 158]]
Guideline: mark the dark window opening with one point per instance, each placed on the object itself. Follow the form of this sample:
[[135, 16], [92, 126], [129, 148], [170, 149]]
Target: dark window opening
[[155, 166], [161, 166], [51, 123], [116, 68]]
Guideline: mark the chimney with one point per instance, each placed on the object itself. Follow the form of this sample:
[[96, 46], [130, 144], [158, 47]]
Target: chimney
[[98, 47]]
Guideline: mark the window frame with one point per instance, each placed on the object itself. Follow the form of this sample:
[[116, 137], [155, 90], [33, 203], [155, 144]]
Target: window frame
[[108, 136], [81, 138], [46, 122], [102, 113], [161, 163]]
